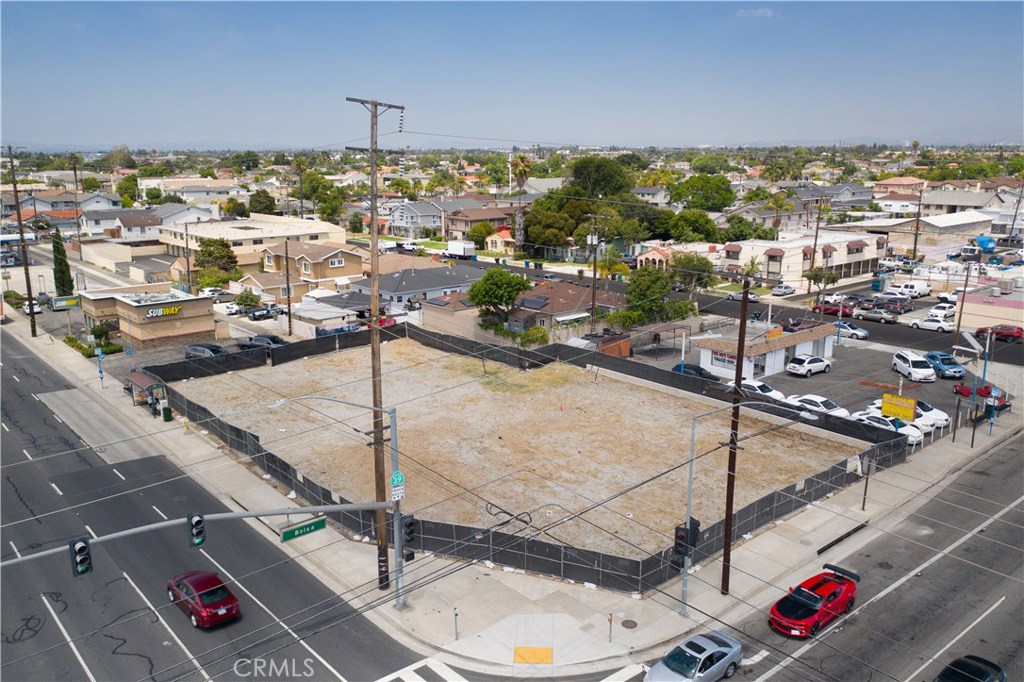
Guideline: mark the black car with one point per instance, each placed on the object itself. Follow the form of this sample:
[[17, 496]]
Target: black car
[[971, 669], [691, 370], [260, 314], [203, 350]]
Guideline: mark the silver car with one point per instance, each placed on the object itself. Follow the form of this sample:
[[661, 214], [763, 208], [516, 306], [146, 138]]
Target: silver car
[[711, 656]]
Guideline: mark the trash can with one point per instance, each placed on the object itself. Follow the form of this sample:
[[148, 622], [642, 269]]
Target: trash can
[[165, 410], [538, 266], [526, 263]]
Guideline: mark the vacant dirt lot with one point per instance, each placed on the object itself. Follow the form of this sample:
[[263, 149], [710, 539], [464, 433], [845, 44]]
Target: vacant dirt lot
[[476, 436]]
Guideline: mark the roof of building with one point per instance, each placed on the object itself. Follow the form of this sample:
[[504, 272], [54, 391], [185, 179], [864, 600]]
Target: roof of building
[[415, 281], [144, 220], [113, 213], [787, 340], [559, 298], [954, 219], [483, 213], [312, 251], [957, 197]]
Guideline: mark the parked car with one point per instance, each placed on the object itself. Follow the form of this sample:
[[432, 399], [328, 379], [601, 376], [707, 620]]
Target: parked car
[[783, 290], [710, 656], [203, 350], [935, 324], [971, 669], [913, 434], [950, 296], [943, 310], [851, 330], [260, 314], [880, 315], [409, 247], [817, 403], [900, 306], [233, 309], [815, 602], [912, 366], [693, 370], [1001, 332], [29, 307], [833, 309], [854, 300], [738, 296], [927, 416], [806, 365], [204, 597], [266, 341], [758, 389], [945, 365], [832, 298]]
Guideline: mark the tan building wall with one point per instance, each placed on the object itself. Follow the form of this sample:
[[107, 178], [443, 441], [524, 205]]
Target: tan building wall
[[150, 314]]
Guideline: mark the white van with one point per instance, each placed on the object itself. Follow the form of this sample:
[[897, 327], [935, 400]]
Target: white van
[[916, 288]]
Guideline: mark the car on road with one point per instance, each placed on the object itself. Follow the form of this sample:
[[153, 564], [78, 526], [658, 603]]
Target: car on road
[[815, 603], [935, 324], [260, 314], [944, 310], [898, 306], [927, 416], [706, 657], [549, 277], [233, 309], [912, 366], [914, 435], [817, 403], [806, 365], [880, 315], [738, 296], [409, 247], [692, 370], [832, 299], [203, 350], [833, 309], [204, 597], [35, 308], [851, 330], [758, 389], [945, 365], [971, 669], [950, 296], [1002, 332], [783, 290]]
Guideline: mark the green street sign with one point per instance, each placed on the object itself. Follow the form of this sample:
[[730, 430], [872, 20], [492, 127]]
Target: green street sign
[[397, 478], [304, 528]]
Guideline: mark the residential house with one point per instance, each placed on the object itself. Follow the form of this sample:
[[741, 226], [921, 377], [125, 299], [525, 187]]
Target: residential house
[[755, 211], [767, 350], [314, 264], [553, 304], [98, 223], [248, 235], [271, 287], [655, 257], [47, 200], [501, 241], [938, 202], [542, 185], [98, 201], [138, 228], [657, 196], [204, 194], [899, 185], [983, 185], [399, 288], [454, 314], [848, 195], [460, 222], [175, 214], [847, 253], [899, 204], [415, 218]]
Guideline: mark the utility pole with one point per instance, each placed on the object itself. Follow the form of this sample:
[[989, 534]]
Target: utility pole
[[917, 222], [593, 241], [380, 516], [288, 283], [814, 249], [24, 246], [78, 209], [188, 258]]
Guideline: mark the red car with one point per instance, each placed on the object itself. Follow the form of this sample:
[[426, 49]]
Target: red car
[[204, 597], [813, 604], [1002, 332], [833, 309]]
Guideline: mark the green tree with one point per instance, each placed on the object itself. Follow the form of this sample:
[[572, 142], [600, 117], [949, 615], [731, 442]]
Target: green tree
[[246, 161], [128, 187], [234, 207], [118, 157], [497, 290], [212, 277], [248, 299], [778, 204], [633, 161], [62, 281], [153, 195], [480, 232], [757, 194], [216, 253], [710, 164], [597, 176], [208, 173], [692, 225], [154, 171], [171, 199], [521, 167], [704, 192], [647, 292], [262, 202], [91, 185], [534, 336], [740, 229], [821, 278], [355, 223], [692, 271]]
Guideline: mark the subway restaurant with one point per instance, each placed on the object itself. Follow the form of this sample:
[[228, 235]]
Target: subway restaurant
[[150, 315]]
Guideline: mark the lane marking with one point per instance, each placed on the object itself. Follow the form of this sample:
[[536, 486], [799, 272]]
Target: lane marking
[[90, 532], [118, 474], [162, 515], [407, 673], [280, 622], [37, 398], [755, 658], [15, 377], [953, 641], [16, 552], [5, 426], [57, 418], [26, 454], [627, 673], [54, 486], [156, 613], [968, 535], [74, 649]]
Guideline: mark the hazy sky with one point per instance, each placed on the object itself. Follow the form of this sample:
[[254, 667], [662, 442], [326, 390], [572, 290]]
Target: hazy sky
[[493, 74]]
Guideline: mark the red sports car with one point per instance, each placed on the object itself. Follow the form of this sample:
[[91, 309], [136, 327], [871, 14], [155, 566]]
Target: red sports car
[[1002, 332], [204, 597], [813, 604], [833, 309]]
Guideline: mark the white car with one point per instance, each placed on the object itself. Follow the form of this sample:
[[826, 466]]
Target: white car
[[232, 308], [926, 412], [950, 296], [833, 298], [758, 389], [935, 324], [783, 290], [913, 434], [738, 296], [806, 365], [851, 330], [817, 403], [943, 310], [36, 308]]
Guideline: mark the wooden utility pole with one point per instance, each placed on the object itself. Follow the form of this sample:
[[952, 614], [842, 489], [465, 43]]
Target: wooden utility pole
[[814, 249], [78, 210], [593, 241], [734, 427], [288, 284], [917, 222], [24, 246], [380, 516]]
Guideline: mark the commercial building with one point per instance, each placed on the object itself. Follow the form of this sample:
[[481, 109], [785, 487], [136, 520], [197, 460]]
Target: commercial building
[[150, 315]]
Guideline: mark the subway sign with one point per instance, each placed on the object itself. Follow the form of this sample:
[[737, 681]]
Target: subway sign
[[166, 311], [64, 303]]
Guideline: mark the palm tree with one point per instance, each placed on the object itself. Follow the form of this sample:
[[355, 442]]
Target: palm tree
[[521, 167], [778, 203]]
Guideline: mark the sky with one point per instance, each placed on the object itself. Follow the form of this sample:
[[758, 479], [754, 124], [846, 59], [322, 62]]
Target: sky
[[275, 75]]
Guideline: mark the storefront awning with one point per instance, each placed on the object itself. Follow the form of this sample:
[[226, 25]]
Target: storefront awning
[[857, 244], [828, 248], [774, 252], [808, 249], [733, 247]]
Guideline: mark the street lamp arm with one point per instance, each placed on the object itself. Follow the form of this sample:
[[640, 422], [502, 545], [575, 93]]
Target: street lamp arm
[[282, 401]]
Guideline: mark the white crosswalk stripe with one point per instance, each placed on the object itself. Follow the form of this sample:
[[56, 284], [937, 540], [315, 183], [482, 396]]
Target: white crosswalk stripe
[[630, 672], [409, 674]]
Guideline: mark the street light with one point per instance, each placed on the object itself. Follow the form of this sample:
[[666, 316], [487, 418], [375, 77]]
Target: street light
[[730, 484], [396, 514]]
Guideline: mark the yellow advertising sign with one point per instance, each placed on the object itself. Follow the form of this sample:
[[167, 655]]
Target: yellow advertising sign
[[899, 406], [163, 312], [774, 333]]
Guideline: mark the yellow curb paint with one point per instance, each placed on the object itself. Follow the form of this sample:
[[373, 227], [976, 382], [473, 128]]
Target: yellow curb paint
[[533, 654]]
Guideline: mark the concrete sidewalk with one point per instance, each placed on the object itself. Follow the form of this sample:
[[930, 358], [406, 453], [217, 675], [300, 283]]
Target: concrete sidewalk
[[498, 621]]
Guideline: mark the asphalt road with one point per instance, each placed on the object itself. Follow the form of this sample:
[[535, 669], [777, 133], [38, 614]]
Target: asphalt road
[[56, 488]]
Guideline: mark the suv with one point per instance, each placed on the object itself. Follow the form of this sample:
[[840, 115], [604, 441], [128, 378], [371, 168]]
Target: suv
[[913, 366], [203, 350]]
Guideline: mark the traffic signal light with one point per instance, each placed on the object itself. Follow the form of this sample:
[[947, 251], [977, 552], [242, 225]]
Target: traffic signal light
[[694, 533], [681, 546], [409, 526], [81, 556], [196, 530]]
